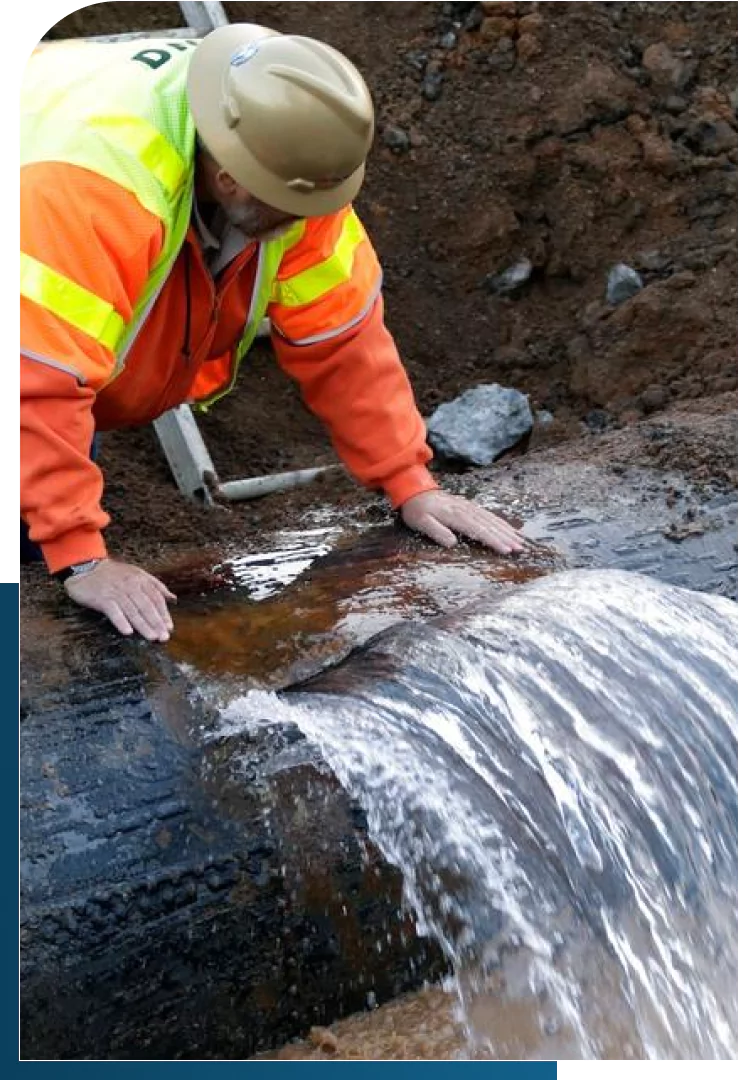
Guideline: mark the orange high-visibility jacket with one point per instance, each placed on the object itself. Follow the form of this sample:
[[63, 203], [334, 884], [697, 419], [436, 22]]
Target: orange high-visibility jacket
[[97, 235]]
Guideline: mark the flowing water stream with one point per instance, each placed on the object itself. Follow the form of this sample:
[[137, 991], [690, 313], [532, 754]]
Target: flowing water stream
[[555, 772]]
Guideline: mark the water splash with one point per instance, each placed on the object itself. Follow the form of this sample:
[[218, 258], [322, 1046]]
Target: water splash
[[555, 774]]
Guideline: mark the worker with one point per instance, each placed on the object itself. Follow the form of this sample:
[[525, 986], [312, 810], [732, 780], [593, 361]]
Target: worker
[[173, 195]]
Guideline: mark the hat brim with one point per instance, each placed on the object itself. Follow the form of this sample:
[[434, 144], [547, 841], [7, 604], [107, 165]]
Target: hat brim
[[210, 59]]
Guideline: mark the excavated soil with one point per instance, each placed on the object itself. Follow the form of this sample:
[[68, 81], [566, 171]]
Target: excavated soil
[[574, 135]]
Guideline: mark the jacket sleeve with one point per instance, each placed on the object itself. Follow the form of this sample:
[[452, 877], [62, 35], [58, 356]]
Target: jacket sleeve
[[91, 234], [330, 335]]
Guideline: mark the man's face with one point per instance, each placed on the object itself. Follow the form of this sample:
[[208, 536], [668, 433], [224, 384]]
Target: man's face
[[255, 219]]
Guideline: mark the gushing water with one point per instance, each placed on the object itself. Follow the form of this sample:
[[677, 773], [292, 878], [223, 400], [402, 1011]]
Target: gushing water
[[555, 774]]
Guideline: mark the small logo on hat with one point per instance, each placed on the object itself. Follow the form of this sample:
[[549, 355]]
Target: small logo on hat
[[244, 54]]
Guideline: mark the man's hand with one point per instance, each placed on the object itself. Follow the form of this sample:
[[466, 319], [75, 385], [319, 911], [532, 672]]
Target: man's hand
[[443, 517], [133, 600]]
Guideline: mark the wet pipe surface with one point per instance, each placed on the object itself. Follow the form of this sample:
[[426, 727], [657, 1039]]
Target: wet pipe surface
[[190, 897]]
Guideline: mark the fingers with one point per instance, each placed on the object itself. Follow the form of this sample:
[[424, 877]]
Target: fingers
[[119, 620], [162, 588], [442, 517], [437, 531], [467, 519], [486, 528], [147, 613]]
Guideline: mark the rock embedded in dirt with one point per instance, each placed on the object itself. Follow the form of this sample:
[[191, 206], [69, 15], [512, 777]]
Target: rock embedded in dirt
[[653, 398], [665, 69], [432, 85], [500, 8], [417, 60], [710, 138], [654, 261], [474, 18], [531, 24], [511, 280], [323, 1039], [395, 138], [598, 421], [675, 104], [528, 46], [623, 283], [659, 154], [480, 425], [494, 28]]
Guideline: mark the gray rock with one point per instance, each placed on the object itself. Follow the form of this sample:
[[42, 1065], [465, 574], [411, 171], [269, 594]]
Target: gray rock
[[598, 421], [675, 104], [474, 19], [432, 86], [544, 417], [653, 260], [396, 139], [653, 398], [710, 138], [481, 424], [623, 283], [449, 40], [417, 60], [511, 279]]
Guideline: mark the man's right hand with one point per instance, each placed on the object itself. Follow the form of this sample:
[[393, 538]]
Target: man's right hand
[[134, 601]]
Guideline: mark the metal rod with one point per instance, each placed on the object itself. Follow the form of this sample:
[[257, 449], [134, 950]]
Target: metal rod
[[175, 34], [255, 487], [204, 16], [187, 454]]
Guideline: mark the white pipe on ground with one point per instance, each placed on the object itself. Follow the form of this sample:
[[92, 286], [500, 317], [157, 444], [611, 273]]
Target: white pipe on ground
[[256, 486]]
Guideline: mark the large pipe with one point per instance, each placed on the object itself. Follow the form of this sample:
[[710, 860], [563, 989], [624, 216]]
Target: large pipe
[[185, 896]]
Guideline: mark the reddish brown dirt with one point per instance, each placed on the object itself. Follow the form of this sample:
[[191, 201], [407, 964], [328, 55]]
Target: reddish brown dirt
[[576, 135]]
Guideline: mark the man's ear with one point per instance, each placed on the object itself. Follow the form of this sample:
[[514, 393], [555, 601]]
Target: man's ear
[[225, 183]]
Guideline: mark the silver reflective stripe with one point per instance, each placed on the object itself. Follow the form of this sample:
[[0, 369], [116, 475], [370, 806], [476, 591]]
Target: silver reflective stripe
[[329, 334], [54, 364], [257, 284], [136, 330]]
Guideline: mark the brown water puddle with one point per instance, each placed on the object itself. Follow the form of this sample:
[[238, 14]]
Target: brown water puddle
[[315, 597]]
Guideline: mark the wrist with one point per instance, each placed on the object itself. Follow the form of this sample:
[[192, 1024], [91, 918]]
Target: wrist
[[77, 570], [405, 485], [75, 546]]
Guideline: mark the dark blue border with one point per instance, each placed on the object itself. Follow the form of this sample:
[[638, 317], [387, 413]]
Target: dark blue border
[[497, 1070], [9, 654]]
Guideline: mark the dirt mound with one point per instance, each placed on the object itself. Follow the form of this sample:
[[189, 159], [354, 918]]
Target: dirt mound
[[574, 136]]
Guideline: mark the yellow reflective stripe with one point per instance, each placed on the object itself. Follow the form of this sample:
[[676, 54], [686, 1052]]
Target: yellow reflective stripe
[[147, 145], [293, 235], [309, 285], [71, 302]]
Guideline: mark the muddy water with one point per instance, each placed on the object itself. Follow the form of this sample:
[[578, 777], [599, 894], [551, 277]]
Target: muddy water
[[316, 594]]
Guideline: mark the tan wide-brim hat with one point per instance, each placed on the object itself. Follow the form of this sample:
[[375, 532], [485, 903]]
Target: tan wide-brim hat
[[290, 118]]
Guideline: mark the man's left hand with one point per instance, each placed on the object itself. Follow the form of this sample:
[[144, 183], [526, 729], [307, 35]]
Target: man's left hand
[[444, 517]]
